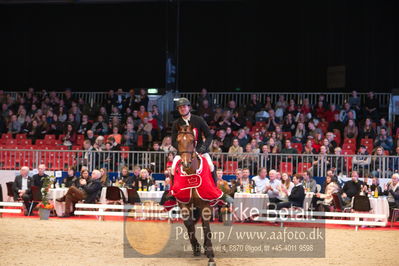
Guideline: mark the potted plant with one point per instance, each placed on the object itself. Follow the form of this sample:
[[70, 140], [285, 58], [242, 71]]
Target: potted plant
[[45, 206]]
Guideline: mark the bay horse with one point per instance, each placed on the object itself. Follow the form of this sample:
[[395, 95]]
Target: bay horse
[[190, 162]]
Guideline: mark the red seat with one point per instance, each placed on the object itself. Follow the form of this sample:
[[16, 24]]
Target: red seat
[[297, 146], [49, 137], [80, 139], [366, 141], [349, 146], [230, 167], [40, 142], [349, 141], [348, 152], [348, 162], [125, 154], [260, 123], [61, 137], [256, 129], [6, 136], [369, 147], [12, 142], [24, 141], [21, 136], [303, 167], [286, 167]]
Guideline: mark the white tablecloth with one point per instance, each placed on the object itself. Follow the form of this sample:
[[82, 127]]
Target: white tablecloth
[[55, 193], [144, 195], [245, 202], [380, 206]]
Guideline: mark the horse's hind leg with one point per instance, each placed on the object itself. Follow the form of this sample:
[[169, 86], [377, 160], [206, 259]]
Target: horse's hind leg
[[208, 235], [190, 225]]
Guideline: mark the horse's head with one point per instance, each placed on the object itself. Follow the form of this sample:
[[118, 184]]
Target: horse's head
[[186, 145]]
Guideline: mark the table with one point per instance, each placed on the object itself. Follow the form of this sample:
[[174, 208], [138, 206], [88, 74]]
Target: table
[[144, 195], [380, 205], [55, 193], [246, 204]]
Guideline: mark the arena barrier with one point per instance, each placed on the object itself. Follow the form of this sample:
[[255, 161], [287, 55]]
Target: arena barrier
[[12, 207], [113, 161], [290, 216]]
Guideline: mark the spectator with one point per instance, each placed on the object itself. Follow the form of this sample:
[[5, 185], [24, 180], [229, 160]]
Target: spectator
[[272, 146], [235, 149], [155, 132], [104, 179], [375, 185], [285, 188], [300, 135], [88, 191], [70, 136], [392, 191], [351, 131], [384, 140], [100, 127], [204, 96], [297, 195], [320, 110], [336, 124], [142, 113], [292, 108], [272, 189], [130, 137], [35, 131], [394, 162], [157, 116], [71, 177], [354, 102], [261, 181], [169, 159], [56, 126], [352, 188], [253, 106], [379, 164], [330, 137], [90, 137], [288, 149], [329, 147], [343, 115], [338, 162], [242, 137], [166, 145], [383, 124], [131, 181], [289, 124], [14, 126], [85, 125], [361, 162], [143, 98], [309, 183], [38, 178], [249, 159], [367, 131], [371, 106], [124, 174], [145, 180], [62, 116], [272, 121], [330, 187], [115, 134], [306, 109], [22, 188]]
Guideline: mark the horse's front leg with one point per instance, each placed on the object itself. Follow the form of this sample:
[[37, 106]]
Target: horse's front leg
[[206, 227], [188, 219]]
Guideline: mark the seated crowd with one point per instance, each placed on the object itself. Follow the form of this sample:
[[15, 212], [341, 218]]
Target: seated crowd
[[123, 121]]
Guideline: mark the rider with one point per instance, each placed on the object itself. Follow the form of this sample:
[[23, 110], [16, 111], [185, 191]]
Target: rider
[[201, 128]]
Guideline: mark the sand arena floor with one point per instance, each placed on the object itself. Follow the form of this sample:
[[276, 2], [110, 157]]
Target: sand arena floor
[[91, 242]]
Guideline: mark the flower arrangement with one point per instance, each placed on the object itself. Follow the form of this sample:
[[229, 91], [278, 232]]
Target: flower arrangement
[[47, 182], [47, 206]]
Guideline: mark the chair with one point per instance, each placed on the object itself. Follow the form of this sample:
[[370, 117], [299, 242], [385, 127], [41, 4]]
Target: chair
[[361, 203], [302, 167], [133, 196], [230, 167], [49, 137], [36, 198], [349, 146], [298, 147], [21, 136], [24, 141], [114, 195], [349, 141], [10, 193], [286, 167], [40, 142], [6, 136], [395, 215], [338, 204]]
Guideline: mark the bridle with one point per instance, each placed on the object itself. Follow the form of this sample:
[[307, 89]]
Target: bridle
[[189, 152]]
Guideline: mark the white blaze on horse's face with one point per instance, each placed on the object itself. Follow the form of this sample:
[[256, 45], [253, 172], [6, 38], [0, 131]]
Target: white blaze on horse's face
[[185, 139]]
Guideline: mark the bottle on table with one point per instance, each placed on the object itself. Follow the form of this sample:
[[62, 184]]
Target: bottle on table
[[376, 192]]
